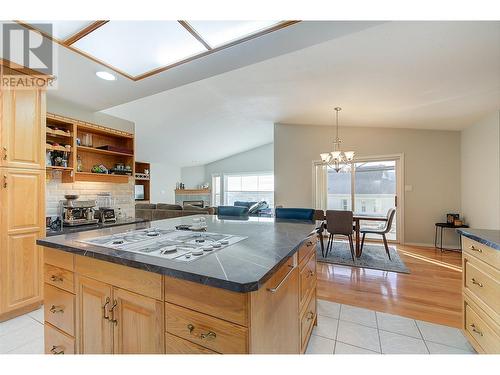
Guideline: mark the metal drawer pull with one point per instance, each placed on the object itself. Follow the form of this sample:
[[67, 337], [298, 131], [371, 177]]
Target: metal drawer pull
[[476, 283], [56, 309], [474, 329], [112, 310], [310, 315], [274, 290], [55, 350], [208, 335], [104, 309], [56, 278], [475, 249]]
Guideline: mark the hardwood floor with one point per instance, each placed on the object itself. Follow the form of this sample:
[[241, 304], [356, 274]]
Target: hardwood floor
[[431, 292]]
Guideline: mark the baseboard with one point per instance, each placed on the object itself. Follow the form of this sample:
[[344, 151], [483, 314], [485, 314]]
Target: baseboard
[[421, 244]]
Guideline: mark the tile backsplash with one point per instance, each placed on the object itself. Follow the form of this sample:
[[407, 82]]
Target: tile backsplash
[[55, 191]]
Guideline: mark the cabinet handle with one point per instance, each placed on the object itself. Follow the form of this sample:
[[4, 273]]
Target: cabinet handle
[[56, 278], [475, 249], [56, 309], [274, 290], [112, 310], [104, 309], [5, 181], [57, 350], [475, 330], [310, 315], [476, 283], [203, 336], [5, 153], [209, 335]]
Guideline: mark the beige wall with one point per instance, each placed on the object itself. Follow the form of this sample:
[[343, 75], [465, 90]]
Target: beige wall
[[480, 152], [432, 169]]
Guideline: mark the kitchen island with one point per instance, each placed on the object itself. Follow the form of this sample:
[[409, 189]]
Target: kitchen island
[[120, 289]]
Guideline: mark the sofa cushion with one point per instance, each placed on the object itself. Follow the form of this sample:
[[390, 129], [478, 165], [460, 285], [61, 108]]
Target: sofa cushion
[[244, 204], [166, 206], [145, 206], [188, 207], [257, 207]]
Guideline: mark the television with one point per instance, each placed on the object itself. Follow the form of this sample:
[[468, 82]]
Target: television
[[139, 192]]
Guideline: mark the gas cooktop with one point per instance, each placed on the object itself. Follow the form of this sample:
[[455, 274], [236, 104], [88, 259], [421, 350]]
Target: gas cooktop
[[178, 245]]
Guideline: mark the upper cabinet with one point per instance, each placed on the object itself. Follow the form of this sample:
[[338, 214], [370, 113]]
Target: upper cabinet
[[22, 129]]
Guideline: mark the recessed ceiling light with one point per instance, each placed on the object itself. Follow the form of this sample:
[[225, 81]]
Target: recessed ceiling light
[[106, 76]]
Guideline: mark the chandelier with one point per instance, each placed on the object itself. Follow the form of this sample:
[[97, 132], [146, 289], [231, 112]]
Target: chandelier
[[337, 159]]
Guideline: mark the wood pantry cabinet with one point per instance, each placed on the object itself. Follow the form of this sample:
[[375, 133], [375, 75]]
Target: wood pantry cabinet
[[119, 309], [22, 199]]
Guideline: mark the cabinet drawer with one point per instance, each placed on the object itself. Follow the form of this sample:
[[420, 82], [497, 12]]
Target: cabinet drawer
[[59, 277], [216, 302], [307, 321], [482, 252], [482, 329], [307, 278], [307, 247], [212, 333], [59, 309], [57, 342], [59, 258], [482, 281], [176, 345]]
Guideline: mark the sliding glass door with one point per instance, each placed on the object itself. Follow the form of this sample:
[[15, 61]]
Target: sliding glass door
[[370, 188]]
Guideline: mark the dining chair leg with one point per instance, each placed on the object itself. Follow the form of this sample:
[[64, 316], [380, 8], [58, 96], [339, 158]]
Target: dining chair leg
[[351, 245], [386, 247], [322, 244], [362, 241], [329, 244]]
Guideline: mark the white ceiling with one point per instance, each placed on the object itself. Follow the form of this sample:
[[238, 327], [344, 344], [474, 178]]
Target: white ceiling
[[423, 75]]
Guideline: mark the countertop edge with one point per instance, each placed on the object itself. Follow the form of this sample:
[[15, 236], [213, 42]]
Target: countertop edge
[[205, 280], [469, 233]]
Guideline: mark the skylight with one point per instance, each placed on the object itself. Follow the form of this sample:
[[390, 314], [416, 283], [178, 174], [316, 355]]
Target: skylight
[[62, 30], [217, 33], [136, 47]]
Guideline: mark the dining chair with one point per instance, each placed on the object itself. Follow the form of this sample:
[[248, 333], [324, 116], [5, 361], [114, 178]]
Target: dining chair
[[339, 223], [294, 213], [232, 211], [381, 231], [308, 214]]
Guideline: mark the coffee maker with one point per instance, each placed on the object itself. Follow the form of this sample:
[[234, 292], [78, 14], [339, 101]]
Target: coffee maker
[[77, 212]]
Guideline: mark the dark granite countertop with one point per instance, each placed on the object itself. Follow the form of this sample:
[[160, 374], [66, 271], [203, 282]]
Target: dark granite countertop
[[83, 228], [242, 267], [488, 237]]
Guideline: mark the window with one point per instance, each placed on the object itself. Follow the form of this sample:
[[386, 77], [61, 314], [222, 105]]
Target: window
[[363, 206], [344, 204], [215, 190], [249, 188]]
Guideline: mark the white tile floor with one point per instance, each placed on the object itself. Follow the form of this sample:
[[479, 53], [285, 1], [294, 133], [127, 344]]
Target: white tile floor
[[342, 329]]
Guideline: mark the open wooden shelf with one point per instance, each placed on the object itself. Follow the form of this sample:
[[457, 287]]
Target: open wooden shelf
[[101, 177], [104, 152], [57, 148], [70, 130], [55, 167]]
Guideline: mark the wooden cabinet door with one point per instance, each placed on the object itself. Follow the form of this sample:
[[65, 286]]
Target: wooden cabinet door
[[94, 331], [22, 129], [274, 313], [139, 327], [22, 222]]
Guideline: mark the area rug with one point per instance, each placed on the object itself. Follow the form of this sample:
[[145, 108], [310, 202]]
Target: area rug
[[373, 256]]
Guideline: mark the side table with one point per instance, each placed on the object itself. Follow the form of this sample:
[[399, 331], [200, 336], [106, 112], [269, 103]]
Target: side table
[[442, 226]]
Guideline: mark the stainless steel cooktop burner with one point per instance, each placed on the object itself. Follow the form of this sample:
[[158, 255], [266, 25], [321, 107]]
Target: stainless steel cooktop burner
[[172, 244]]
